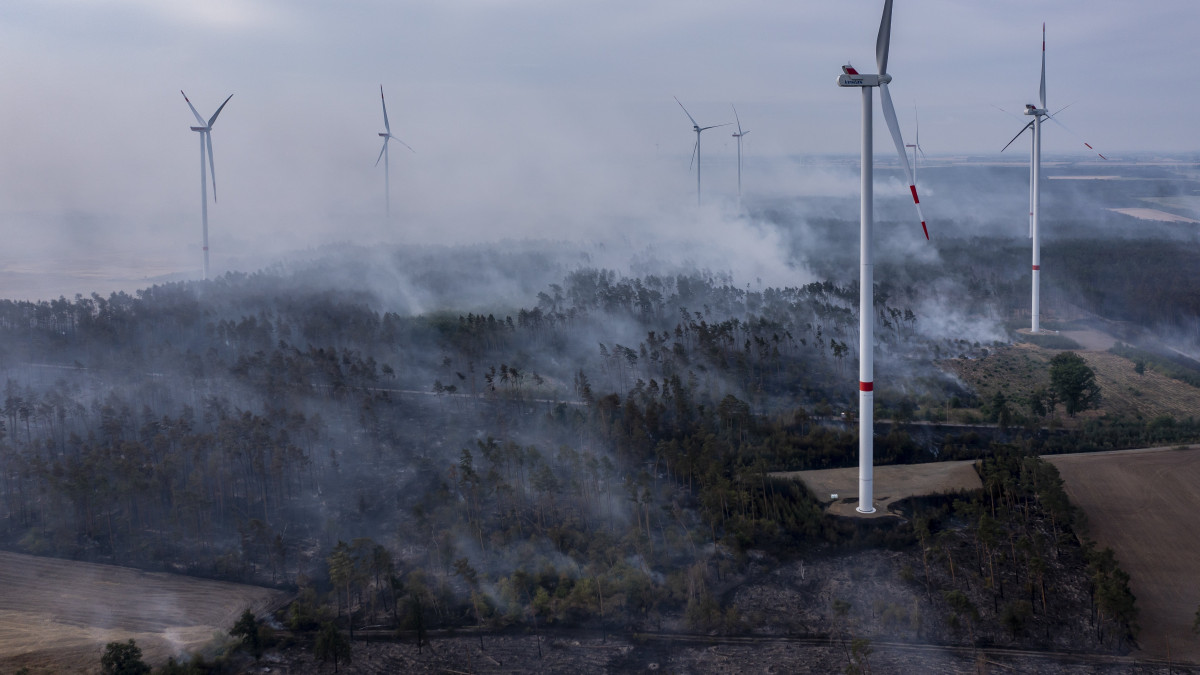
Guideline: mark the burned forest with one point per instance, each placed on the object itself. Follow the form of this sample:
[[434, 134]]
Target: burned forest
[[598, 457]]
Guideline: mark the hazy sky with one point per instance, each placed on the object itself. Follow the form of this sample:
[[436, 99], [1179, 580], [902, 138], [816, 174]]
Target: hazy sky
[[522, 112]]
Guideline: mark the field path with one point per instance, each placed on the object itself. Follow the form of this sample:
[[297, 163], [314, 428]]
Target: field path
[[1144, 504], [57, 615]]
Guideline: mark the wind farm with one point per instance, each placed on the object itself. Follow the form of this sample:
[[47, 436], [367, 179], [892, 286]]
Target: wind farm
[[573, 408]]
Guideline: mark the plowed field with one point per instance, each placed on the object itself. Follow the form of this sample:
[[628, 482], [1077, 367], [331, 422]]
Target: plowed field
[[1144, 504], [57, 615]]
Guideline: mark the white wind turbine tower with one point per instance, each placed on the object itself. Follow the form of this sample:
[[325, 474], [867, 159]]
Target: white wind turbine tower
[[205, 131], [1038, 113], [739, 135], [696, 148], [383, 154], [866, 312]]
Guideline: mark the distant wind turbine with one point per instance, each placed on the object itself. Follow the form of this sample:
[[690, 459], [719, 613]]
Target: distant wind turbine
[[205, 131], [696, 148], [383, 154], [866, 300], [738, 136], [1038, 113]]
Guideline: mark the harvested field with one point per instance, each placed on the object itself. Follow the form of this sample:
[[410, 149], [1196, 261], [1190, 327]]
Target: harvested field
[[57, 615], [892, 483], [1142, 504]]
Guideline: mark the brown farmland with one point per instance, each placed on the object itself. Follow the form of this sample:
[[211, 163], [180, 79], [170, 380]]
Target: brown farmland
[[57, 615], [1143, 504]]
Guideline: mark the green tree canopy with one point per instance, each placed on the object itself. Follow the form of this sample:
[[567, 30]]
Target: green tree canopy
[[1074, 382], [332, 644], [247, 629], [123, 658]]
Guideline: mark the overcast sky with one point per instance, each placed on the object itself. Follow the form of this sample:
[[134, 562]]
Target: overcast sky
[[521, 111]]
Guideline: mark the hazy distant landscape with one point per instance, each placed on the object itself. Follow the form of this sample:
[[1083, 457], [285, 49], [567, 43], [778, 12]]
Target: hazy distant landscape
[[535, 436], [572, 382]]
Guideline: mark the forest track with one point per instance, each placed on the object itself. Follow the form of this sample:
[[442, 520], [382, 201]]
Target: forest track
[[584, 650]]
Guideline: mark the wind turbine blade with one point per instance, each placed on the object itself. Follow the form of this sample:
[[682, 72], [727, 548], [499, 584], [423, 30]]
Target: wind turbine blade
[[387, 127], [1042, 89], [212, 120], [212, 168], [739, 120], [884, 38], [694, 149], [198, 117], [1005, 111], [393, 138], [381, 152], [1014, 138], [889, 116], [1063, 108], [1068, 130], [685, 112], [715, 126]]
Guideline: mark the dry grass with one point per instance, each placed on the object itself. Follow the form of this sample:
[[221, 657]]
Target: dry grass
[[1142, 503], [892, 483], [1023, 368], [57, 615]]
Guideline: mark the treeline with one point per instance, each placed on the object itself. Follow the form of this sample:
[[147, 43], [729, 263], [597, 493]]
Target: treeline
[[1006, 564]]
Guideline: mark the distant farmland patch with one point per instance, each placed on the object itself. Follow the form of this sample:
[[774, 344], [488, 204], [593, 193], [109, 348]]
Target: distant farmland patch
[[57, 615], [1154, 214]]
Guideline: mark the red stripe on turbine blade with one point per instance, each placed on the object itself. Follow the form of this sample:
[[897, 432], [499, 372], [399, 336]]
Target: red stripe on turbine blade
[[913, 188], [926, 229], [866, 386], [1037, 268], [1102, 157], [1089, 145]]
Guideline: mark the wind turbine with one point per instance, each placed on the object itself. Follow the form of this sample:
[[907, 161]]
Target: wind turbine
[[205, 131], [738, 136], [1038, 113], [916, 145], [383, 154], [696, 148], [866, 305]]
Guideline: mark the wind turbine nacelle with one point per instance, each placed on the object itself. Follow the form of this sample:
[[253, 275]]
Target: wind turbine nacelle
[[860, 80], [1031, 109], [198, 128]]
